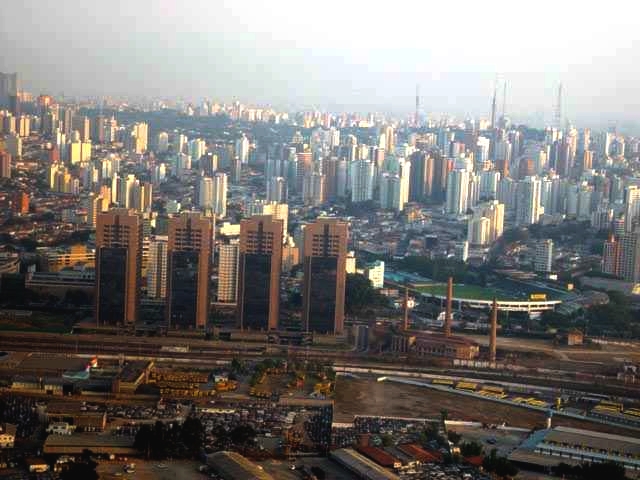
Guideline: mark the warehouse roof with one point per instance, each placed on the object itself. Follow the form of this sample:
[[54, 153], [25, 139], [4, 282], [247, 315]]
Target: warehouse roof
[[232, 466], [361, 465]]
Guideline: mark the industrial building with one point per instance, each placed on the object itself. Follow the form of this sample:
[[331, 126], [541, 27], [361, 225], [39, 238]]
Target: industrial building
[[546, 448], [232, 466], [361, 465]]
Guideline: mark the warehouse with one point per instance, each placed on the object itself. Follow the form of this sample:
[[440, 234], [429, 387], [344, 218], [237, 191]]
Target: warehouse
[[573, 446], [361, 465], [232, 466]]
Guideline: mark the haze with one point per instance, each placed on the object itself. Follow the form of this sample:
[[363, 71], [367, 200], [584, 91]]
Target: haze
[[343, 55]]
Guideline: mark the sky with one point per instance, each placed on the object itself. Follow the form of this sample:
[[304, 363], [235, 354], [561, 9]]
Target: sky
[[340, 55]]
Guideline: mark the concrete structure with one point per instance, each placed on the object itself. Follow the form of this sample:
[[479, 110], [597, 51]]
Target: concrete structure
[[447, 318], [189, 267], [493, 332], [260, 262], [325, 254], [118, 266]]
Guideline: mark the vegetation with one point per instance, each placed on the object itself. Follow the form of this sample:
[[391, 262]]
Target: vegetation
[[591, 471], [500, 466], [439, 269], [360, 295], [470, 449], [170, 440], [82, 469]]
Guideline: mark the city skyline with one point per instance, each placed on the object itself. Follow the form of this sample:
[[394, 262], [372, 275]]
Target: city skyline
[[247, 51]]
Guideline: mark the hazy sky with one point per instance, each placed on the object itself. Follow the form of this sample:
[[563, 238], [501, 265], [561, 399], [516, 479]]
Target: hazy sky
[[349, 54]]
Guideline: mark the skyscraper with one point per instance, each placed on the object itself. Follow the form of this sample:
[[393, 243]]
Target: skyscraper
[[189, 267], [228, 272], [362, 176], [325, 256], [543, 260], [259, 273], [528, 207], [5, 164], [220, 194], [277, 190], [118, 266], [457, 192], [205, 193], [621, 256], [157, 268], [9, 87]]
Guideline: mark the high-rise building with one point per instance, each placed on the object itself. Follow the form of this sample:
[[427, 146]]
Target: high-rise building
[[228, 272], [82, 125], [258, 306], [478, 231], [543, 260], [528, 206], [279, 211], [277, 190], [325, 256], [390, 195], [205, 193], [242, 149], [457, 192], [5, 164], [139, 137], [220, 194], [304, 167], [421, 182], [162, 142], [9, 87], [362, 176], [157, 267], [621, 256], [631, 207], [189, 268], [313, 189], [13, 144], [118, 266]]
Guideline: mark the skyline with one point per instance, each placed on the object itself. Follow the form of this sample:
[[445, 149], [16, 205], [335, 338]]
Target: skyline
[[340, 57]]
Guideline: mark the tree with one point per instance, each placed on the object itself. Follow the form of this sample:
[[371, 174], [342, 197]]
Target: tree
[[454, 437], [360, 294], [502, 467], [470, 449], [192, 433], [82, 469]]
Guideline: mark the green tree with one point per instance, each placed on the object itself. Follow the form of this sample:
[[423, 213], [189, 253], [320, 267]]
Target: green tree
[[470, 449], [360, 294], [82, 469]]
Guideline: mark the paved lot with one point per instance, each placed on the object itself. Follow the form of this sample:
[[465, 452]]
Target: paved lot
[[505, 440], [149, 471]]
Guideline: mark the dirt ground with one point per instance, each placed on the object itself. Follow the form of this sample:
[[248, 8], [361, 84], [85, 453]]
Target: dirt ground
[[366, 396]]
